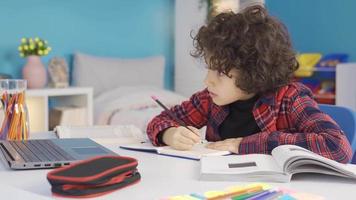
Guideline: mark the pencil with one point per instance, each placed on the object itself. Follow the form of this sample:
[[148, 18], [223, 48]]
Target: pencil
[[171, 114]]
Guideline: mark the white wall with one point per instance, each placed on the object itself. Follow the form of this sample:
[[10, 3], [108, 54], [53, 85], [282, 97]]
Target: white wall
[[189, 74]]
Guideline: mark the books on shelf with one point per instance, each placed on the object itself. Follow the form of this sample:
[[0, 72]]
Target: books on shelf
[[285, 161], [67, 115], [196, 153]]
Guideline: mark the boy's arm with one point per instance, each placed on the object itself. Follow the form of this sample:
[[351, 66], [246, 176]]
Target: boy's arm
[[192, 112], [315, 131]]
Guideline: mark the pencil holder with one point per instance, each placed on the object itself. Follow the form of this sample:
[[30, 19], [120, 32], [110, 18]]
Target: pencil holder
[[14, 113]]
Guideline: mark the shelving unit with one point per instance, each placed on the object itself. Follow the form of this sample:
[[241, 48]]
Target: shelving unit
[[323, 83], [39, 102]]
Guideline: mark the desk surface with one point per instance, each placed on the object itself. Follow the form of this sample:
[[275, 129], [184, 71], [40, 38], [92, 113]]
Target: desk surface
[[164, 176]]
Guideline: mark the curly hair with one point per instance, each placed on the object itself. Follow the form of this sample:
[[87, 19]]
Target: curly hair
[[254, 43]]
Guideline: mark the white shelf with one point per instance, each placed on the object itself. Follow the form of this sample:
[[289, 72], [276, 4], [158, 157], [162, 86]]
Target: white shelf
[[345, 85], [59, 91], [38, 100]]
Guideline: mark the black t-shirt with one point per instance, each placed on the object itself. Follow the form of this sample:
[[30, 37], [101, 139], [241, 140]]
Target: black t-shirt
[[240, 121]]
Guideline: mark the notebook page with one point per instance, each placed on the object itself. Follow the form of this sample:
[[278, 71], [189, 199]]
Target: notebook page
[[197, 152], [144, 146]]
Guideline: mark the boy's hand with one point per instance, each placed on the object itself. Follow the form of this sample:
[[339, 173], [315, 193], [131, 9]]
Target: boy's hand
[[231, 145], [181, 138]]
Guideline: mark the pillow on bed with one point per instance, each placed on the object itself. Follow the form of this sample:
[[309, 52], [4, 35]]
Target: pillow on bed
[[132, 105], [104, 73]]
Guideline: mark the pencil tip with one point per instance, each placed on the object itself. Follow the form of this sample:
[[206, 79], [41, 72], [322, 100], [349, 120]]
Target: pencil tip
[[154, 98]]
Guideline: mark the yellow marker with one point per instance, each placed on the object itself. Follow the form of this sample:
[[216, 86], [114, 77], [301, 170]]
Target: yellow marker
[[212, 194], [235, 188], [182, 197], [265, 186]]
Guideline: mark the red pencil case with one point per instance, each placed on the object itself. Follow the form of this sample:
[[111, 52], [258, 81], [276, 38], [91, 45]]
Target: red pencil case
[[94, 177]]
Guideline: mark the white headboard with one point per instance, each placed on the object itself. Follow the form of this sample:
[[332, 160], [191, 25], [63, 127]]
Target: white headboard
[[104, 73]]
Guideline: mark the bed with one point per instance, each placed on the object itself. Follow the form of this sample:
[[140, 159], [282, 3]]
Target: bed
[[123, 88]]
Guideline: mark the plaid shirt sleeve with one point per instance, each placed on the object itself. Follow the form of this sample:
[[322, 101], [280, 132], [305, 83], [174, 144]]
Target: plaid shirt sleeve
[[192, 112], [314, 131]]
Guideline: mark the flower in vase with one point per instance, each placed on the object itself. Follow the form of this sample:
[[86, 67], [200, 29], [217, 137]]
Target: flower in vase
[[33, 47]]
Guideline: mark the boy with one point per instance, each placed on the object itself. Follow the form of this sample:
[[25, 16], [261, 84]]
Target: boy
[[249, 104]]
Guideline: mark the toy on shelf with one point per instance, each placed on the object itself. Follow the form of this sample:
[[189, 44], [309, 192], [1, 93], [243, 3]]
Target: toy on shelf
[[307, 61], [331, 60]]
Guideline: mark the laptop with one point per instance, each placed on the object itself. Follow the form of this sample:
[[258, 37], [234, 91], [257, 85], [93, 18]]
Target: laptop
[[49, 153]]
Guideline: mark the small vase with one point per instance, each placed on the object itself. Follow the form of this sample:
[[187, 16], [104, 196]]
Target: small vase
[[34, 72]]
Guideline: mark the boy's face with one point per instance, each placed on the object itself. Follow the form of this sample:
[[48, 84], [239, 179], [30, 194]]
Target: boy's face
[[222, 88]]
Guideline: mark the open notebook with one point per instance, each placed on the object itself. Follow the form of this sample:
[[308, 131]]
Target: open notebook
[[132, 138], [196, 153]]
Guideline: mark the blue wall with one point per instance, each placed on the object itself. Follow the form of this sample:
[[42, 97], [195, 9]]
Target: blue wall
[[121, 28], [326, 26]]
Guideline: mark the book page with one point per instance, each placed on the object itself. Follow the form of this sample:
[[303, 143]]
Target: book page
[[295, 159], [251, 167], [281, 154], [240, 164]]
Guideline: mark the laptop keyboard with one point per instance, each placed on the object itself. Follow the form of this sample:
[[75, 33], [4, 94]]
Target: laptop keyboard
[[40, 150]]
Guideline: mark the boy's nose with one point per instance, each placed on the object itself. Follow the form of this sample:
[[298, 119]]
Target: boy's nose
[[208, 80]]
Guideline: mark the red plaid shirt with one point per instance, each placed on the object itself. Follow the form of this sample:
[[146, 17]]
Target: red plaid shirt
[[288, 116]]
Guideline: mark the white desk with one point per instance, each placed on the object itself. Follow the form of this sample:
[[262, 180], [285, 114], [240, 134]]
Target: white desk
[[164, 176]]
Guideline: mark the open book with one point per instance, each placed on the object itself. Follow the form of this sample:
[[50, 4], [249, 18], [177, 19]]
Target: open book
[[285, 161], [196, 153]]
